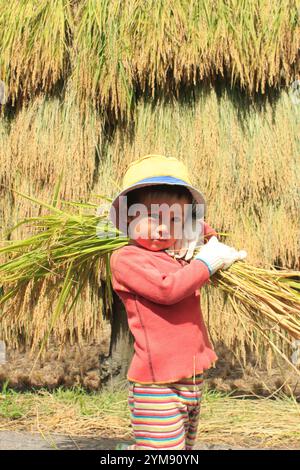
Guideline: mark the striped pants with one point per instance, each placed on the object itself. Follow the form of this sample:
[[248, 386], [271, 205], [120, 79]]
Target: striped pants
[[165, 416]]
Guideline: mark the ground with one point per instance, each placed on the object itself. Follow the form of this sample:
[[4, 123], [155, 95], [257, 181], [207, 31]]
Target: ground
[[62, 405], [80, 367], [73, 418], [27, 441]]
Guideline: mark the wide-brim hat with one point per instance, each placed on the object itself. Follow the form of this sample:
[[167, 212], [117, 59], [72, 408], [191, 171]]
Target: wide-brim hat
[[152, 170]]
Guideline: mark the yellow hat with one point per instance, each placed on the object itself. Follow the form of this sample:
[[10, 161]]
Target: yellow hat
[[153, 170]]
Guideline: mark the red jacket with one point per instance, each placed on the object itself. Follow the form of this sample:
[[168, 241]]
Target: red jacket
[[162, 300]]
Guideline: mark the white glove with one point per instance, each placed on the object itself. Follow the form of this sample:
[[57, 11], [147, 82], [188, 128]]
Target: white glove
[[217, 255], [192, 238], [185, 246]]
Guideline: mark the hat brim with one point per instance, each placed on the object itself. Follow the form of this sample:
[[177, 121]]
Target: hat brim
[[154, 181]]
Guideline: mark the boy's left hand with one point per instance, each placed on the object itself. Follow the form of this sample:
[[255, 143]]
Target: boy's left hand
[[184, 247]]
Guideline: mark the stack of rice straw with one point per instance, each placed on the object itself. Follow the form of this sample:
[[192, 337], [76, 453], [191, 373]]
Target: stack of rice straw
[[65, 243]]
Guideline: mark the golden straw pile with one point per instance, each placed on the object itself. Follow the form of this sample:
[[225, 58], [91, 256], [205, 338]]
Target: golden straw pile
[[111, 50], [251, 195], [67, 245], [215, 83]]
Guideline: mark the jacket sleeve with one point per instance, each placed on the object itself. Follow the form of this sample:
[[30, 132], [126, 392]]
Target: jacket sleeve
[[130, 274]]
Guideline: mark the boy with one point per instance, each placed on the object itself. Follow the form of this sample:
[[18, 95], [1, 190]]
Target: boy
[[162, 301]]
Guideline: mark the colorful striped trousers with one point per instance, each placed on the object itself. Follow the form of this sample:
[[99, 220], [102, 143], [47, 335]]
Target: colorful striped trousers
[[165, 416]]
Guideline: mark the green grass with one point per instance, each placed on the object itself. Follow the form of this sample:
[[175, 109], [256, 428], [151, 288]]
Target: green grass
[[110, 402], [17, 405]]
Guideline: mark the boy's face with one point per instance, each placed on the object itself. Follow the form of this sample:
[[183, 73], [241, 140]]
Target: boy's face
[[157, 222]]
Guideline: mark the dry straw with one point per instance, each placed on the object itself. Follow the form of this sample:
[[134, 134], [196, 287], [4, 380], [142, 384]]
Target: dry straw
[[243, 154], [251, 195], [67, 246], [224, 420], [114, 49], [45, 141]]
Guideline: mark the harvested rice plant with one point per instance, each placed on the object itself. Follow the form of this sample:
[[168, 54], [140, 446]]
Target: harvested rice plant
[[88, 87]]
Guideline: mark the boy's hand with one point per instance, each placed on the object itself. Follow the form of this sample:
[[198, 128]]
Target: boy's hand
[[192, 239], [183, 248], [217, 255]]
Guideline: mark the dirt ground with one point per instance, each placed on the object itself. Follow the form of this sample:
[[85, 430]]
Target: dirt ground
[[81, 366], [10, 440], [26, 441]]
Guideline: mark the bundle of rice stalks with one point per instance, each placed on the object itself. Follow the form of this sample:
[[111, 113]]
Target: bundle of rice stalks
[[66, 245], [269, 301], [64, 250]]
